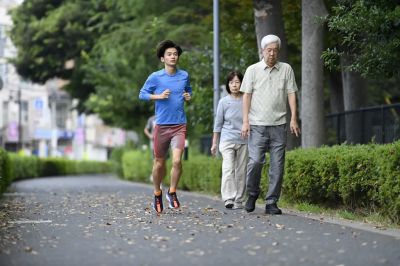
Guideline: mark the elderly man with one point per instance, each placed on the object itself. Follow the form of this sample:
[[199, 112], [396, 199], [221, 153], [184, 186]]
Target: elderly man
[[267, 85]]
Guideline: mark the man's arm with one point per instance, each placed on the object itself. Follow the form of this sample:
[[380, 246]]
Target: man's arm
[[187, 95], [246, 109], [294, 126], [164, 95], [147, 133], [147, 91]]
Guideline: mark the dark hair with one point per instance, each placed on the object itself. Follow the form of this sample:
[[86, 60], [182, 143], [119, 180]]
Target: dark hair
[[230, 76], [164, 45]]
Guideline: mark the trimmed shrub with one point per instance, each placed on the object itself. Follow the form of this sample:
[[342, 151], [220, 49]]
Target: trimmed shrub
[[301, 180], [358, 182], [24, 166], [363, 177], [137, 165], [5, 171], [200, 173], [58, 166], [116, 160], [15, 167], [388, 193], [52, 167]]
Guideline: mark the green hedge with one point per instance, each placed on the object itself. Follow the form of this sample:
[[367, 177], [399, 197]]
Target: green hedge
[[15, 167], [5, 171], [56, 166], [355, 177], [24, 166], [116, 159], [200, 173]]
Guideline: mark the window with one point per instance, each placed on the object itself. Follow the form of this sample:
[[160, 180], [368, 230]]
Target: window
[[5, 113], [25, 113], [3, 39], [62, 114], [4, 72]]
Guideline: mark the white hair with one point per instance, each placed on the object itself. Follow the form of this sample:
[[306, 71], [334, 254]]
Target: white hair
[[270, 39]]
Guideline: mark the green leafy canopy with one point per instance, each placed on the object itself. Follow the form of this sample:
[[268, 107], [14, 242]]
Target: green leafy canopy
[[369, 33], [112, 45]]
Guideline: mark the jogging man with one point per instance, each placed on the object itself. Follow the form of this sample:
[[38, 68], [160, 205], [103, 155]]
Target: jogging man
[[169, 88]]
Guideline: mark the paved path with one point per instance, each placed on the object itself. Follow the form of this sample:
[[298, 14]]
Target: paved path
[[100, 220]]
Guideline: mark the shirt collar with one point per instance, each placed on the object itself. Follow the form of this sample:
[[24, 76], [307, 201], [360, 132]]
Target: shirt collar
[[265, 66], [164, 72]]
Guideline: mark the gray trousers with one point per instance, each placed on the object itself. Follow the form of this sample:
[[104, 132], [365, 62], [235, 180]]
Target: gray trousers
[[261, 140]]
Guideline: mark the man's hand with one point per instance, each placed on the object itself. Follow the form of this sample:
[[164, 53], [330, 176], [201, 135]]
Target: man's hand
[[245, 130], [165, 94], [294, 127], [187, 96]]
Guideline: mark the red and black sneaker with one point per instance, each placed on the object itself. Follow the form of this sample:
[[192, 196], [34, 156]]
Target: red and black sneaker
[[172, 200], [158, 204]]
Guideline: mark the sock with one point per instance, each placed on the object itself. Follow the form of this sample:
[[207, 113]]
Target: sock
[[157, 193], [172, 190]]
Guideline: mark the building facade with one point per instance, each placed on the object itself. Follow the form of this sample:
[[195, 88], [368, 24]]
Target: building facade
[[41, 119]]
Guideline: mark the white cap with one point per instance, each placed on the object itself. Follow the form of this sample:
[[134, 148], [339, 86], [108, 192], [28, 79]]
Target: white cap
[[270, 39]]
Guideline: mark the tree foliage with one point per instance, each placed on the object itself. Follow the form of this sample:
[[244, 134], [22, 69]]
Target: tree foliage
[[121, 60], [49, 33], [238, 49], [112, 45], [369, 34]]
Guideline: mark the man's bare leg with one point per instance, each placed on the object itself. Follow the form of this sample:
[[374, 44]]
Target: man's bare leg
[[159, 171], [176, 169]]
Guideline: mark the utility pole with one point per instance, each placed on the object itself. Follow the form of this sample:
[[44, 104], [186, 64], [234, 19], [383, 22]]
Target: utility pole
[[54, 131], [1, 131], [20, 145], [216, 55]]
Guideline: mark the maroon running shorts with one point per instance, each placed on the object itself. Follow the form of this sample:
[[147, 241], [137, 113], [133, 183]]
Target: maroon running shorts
[[166, 135]]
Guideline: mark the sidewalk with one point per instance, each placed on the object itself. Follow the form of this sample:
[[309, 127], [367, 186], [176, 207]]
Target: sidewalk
[[394, 232], [100, 220]]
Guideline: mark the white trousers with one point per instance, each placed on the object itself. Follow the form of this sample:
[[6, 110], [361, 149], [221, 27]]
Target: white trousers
[[234, 165]]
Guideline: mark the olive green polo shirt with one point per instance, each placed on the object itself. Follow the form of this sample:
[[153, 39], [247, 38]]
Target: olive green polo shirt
[[270, 88]]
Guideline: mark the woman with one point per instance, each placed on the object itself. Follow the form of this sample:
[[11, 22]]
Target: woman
[[233, 148]]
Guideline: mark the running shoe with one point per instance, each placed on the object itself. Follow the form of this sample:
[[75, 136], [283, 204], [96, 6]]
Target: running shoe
[[172, 200], [158, 204]]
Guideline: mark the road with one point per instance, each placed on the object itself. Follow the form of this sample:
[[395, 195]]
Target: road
[[101, 220]]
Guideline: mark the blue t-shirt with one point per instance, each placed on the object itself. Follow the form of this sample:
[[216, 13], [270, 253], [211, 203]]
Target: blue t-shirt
[[168, 111]]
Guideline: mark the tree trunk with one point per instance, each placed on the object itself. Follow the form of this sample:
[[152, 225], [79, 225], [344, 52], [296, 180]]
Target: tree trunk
[[312, 110], [268, 20], [354, 96]]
